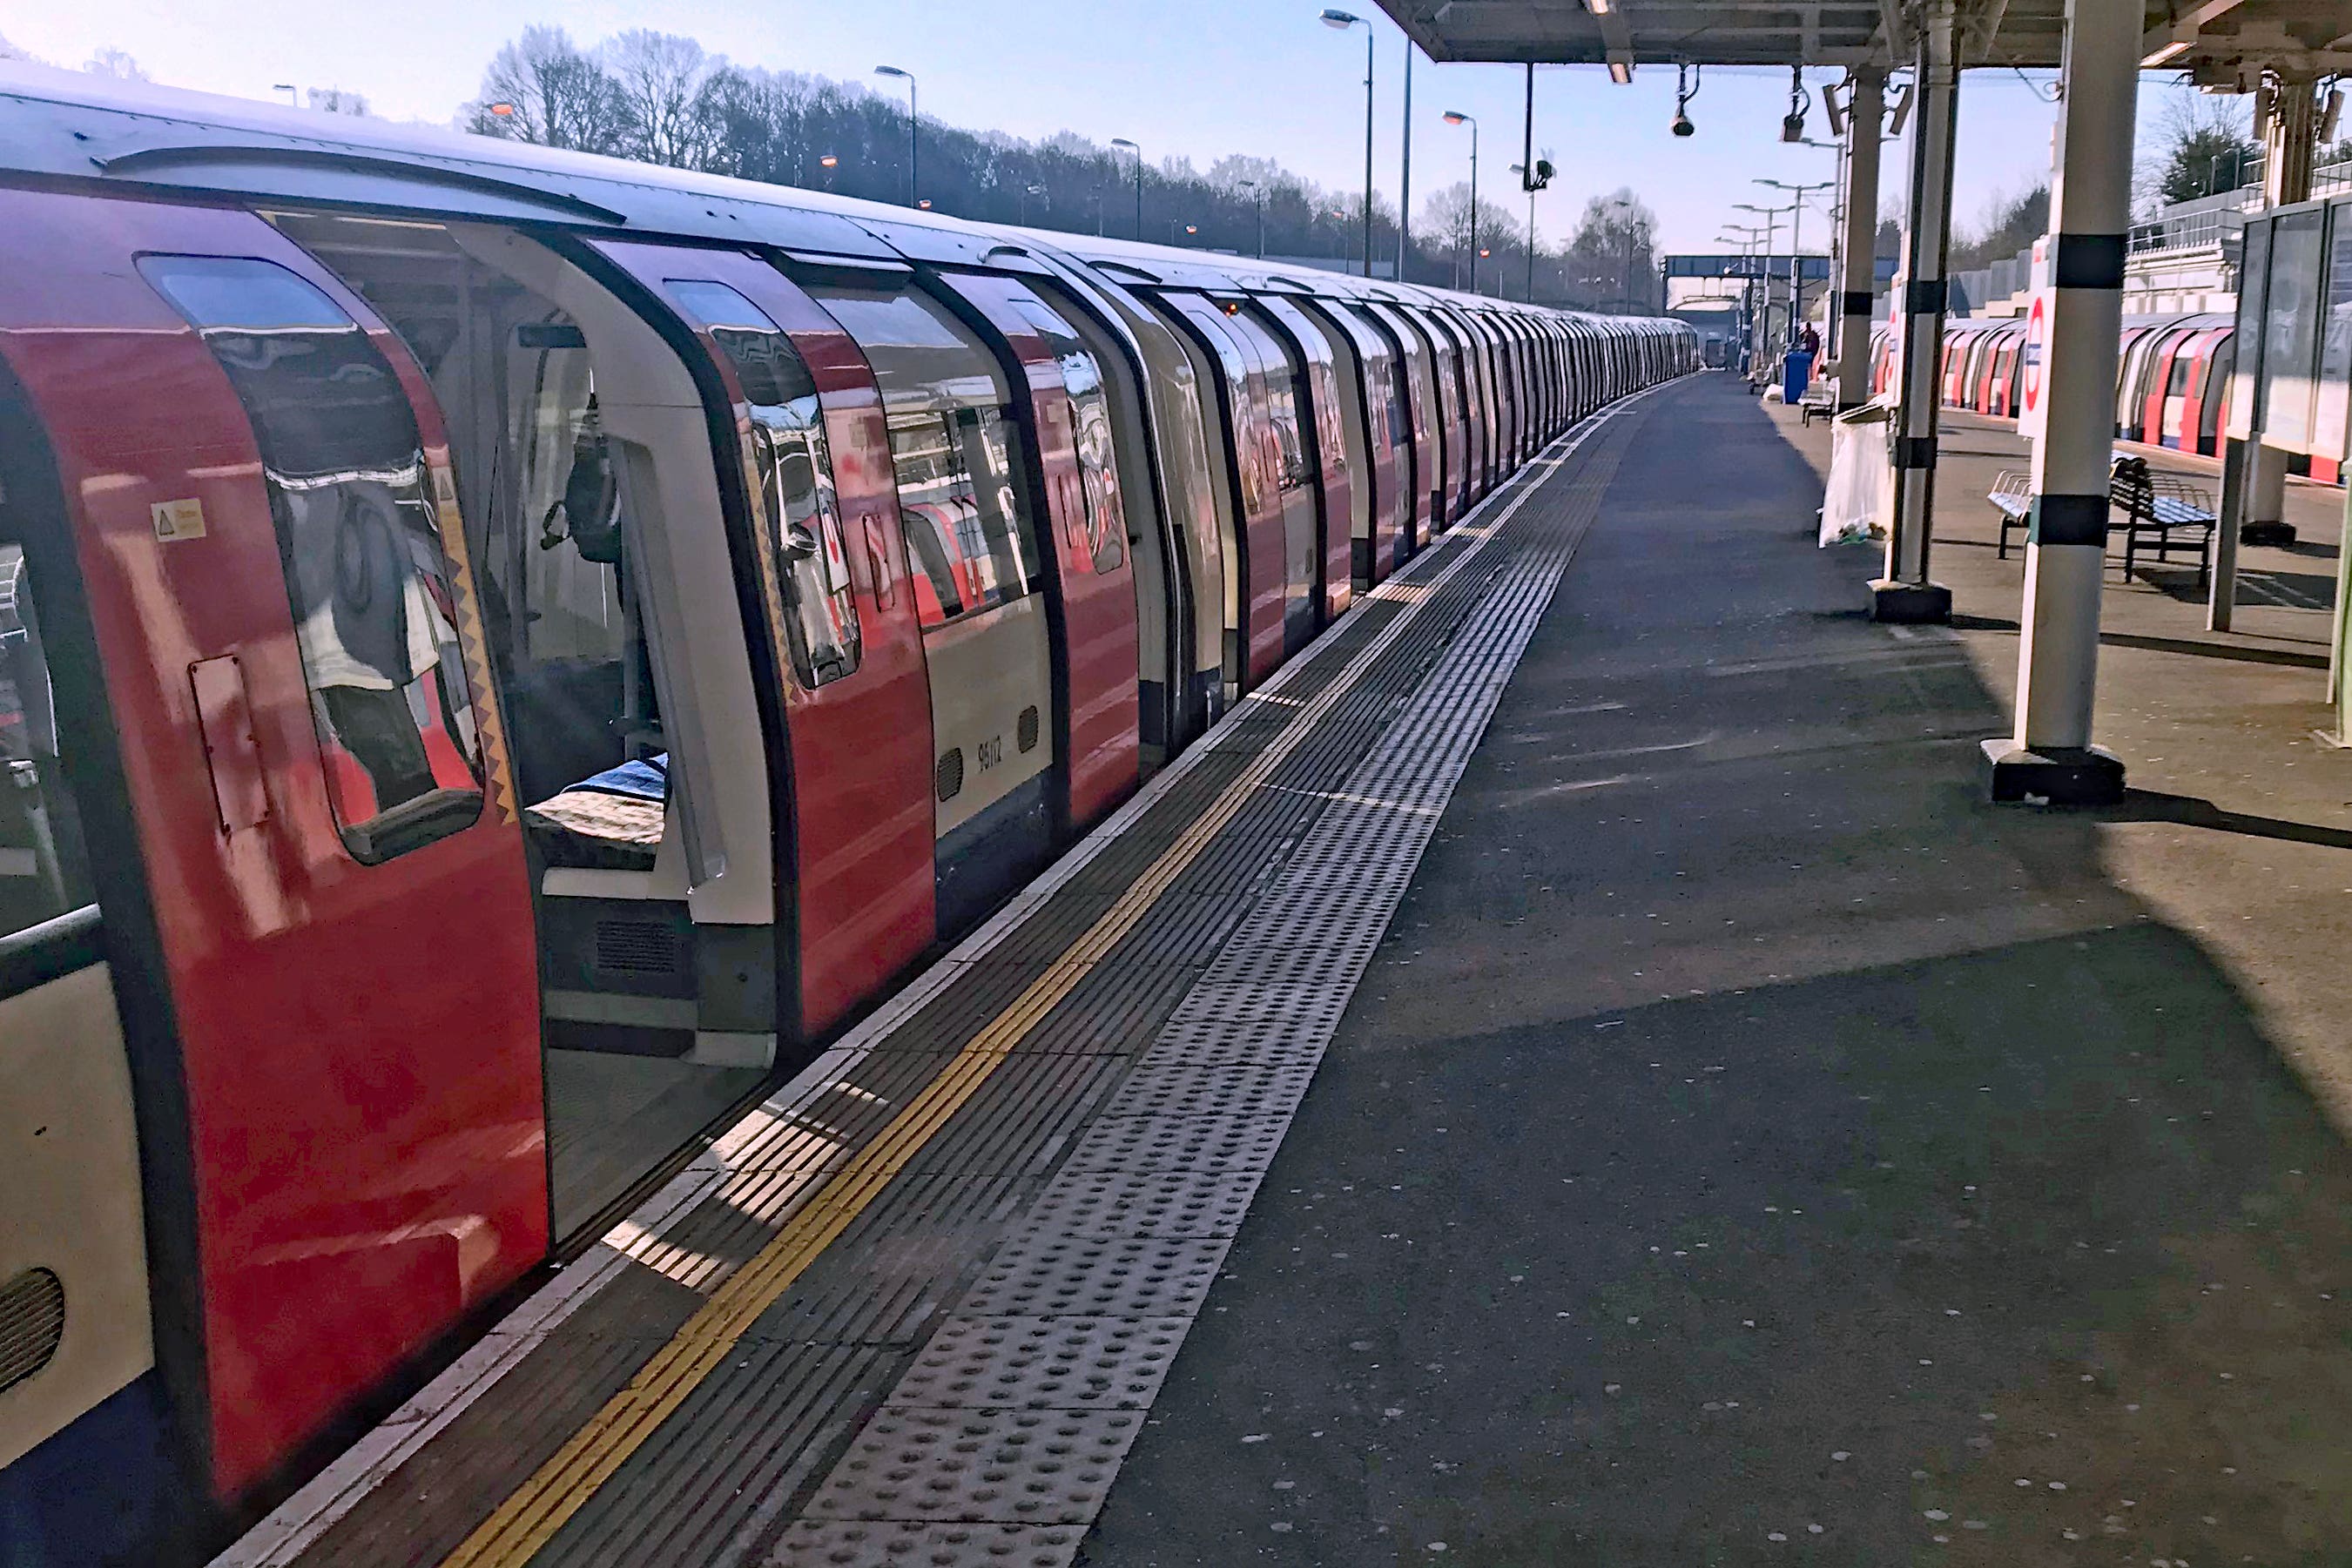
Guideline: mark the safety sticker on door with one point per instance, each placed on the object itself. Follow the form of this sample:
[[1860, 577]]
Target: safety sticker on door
[[177, 521]]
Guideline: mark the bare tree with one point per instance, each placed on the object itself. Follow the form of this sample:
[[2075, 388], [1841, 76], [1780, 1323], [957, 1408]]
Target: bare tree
[[661, 78], [110, 61], [1612, 256], [339, 101], [542, 87]]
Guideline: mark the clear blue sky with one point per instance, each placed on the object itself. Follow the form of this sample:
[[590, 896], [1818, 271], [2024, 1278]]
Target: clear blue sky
[[1197, 78]]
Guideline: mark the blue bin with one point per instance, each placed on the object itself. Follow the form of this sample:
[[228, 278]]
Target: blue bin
[[1796, 369]]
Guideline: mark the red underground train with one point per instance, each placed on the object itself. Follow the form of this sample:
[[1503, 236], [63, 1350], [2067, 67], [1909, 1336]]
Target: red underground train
[[504, 652]]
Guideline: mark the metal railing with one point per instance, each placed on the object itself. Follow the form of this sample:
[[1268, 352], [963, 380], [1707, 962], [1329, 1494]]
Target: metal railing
[[2190, 231]]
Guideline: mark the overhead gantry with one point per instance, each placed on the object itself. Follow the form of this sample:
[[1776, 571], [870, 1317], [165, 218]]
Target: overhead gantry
[[2276, 48]]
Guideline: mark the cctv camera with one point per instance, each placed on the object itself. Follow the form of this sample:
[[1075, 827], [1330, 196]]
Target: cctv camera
[[1683, 125]]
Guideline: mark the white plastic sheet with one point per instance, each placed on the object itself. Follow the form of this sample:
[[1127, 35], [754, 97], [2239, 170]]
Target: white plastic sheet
[[1860, 498]]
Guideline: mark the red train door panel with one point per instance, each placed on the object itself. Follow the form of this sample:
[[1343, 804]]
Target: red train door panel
[[259, 475], [1095, 568], [858, 712]]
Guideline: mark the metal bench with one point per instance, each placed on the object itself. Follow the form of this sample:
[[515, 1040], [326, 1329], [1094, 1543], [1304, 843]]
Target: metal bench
[[2162, 513], [2011, 496], [2165, 509], [1820, 398]]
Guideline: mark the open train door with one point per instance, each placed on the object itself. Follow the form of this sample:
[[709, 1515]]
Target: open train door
[[308, 865]]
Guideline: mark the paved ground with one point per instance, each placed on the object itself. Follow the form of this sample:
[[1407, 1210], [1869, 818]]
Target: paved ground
[[1749, 1147]]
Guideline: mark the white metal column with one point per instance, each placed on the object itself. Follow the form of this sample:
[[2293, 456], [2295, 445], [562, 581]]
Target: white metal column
[[2050, 756], [1863, 117], [1905, 594]]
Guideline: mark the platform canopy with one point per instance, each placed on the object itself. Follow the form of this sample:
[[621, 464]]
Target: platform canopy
[[2224, 43]]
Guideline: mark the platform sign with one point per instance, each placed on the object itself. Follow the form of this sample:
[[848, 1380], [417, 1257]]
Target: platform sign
[[2033, 355]]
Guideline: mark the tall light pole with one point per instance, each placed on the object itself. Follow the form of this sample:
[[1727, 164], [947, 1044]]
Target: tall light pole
[[913, 181], [1797, 195], [1745, 236], [1257, 196], [1453, 117], [1131, 147], [1404, 180], [1521, 170], [1342, 21], [1829, 339], [1771, 216], [1626, 203]]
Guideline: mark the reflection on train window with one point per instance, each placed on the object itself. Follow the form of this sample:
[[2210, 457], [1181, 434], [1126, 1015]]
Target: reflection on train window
[[793, 474], [959, 491], [1089, 430], [43, 870], [359, 537]]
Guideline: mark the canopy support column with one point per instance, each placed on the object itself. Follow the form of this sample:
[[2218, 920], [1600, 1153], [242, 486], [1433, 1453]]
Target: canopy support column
[[1905, 593], [2050, 757], [1864, 115]]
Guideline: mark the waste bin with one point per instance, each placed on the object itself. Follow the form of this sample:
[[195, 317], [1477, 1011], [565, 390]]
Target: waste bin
[[1796, 369]]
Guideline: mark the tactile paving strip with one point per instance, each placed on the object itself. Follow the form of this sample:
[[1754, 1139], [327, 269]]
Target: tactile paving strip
[[1173, 1087], [1044, 1362], [884, 1543], [1098, 1276], [1008, 1466], [1143, 1203], [1210, 1144]]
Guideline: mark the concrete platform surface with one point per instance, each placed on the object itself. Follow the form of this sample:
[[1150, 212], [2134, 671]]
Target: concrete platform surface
[[1750, 1145]]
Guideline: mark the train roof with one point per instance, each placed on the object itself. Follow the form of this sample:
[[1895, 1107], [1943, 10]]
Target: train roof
[[74, 127]]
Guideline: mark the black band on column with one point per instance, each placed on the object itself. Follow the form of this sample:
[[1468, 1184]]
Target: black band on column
[[2088, 261], [2068, 520], [1925, 297], [1915, 452], [1856, 302]]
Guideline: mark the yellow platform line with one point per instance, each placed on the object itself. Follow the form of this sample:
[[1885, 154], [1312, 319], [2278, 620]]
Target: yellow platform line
[[530, 1518]]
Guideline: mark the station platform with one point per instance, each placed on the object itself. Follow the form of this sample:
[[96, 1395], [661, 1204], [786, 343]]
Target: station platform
[[1571, 1073]]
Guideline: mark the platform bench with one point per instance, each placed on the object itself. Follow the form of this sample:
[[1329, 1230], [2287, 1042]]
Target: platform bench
[[2162, 513], [1819, 397], [2012, 498]]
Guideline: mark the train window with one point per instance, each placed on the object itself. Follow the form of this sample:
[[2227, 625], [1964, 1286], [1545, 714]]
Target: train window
[[793, 471], [959, 481], [360, 539], [44, 872], [1089, 432], [962, 490]]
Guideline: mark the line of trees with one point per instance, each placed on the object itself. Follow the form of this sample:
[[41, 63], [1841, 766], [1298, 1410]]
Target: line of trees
[[663, 99]]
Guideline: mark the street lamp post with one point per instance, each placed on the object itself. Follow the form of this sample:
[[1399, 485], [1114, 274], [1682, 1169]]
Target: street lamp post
[[1131, 147], [1771, 216], [1342, 21], [1257, 197], [914, 182], [1797, 195], [1521, 170], [1627, 203], [1453, 117]]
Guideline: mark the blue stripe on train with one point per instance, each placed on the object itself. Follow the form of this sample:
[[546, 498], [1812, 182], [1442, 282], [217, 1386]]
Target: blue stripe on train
[[102, 1491]]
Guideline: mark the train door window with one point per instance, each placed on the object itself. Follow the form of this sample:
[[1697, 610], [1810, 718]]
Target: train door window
[[801, 522], [359, 536], [962, 495], [43, 870], [1090, 433]]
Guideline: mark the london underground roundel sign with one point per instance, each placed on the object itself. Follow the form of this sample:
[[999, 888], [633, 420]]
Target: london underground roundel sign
[[2028, 370]]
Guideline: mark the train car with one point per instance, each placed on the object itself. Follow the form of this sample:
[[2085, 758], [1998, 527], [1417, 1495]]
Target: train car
[[504, 653]]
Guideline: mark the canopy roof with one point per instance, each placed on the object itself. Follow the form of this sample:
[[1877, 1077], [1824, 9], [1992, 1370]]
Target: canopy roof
[[2225, 43]]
